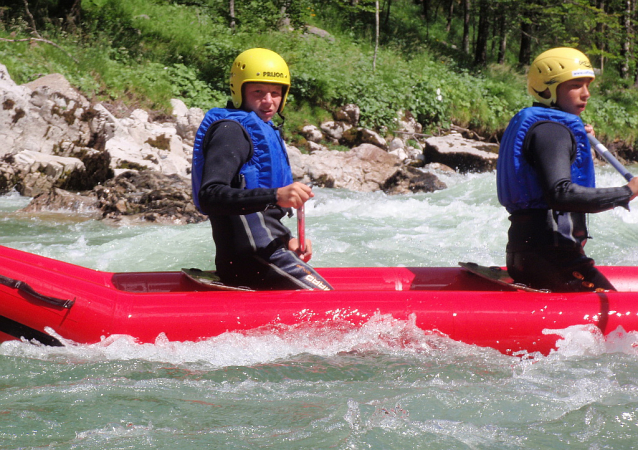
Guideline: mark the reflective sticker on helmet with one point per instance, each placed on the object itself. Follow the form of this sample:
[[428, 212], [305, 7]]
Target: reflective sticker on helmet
[[583, 73]]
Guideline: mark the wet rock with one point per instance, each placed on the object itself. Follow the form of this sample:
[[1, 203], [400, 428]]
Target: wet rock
[[62, 201], [187, 121], [52, 140], [365, 168], [131, 197], [335, 129], [95, 170], [148, 196], [313, 147], [39, 172], [136, 143], [312, 133], [412, 180], [623, 151], [407, 124], [357, 136], [56, 83], [297, 163], [51, 119], [461, 154], [349, 114], [312, 30]]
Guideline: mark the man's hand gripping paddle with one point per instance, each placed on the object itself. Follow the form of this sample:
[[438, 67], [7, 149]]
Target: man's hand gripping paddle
[[605, 154], [301, 228]]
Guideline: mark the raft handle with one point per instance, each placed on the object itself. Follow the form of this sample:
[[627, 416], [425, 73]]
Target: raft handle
[[24, 287]]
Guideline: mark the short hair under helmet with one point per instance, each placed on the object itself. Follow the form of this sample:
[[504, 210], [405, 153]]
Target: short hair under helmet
[[553, 67], [258, 65]]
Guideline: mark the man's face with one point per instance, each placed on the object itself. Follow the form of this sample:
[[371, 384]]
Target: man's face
[[572, 95], [262, 98]]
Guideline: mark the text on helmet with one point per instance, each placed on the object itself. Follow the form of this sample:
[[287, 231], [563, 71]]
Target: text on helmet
[[273, 74]]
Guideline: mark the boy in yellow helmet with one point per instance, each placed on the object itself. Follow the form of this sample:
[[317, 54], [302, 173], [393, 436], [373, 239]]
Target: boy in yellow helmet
[[545, 179], [242, 180]]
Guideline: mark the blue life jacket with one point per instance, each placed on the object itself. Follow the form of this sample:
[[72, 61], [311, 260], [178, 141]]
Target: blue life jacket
[[518, 185], [269, 166]]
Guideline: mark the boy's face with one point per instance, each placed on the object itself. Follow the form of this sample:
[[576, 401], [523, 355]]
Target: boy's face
[[262, 98], [572, 95]]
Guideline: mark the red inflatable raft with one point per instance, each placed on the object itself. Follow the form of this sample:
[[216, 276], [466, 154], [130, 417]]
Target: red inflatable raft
[[84, 305]]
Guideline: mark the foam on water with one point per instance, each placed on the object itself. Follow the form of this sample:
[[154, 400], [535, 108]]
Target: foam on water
[[381, 334], [440, 228], [462, 222], [347, 229], [386, 385]]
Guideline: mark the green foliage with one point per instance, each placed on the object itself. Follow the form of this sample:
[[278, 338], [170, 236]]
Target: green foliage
[[263, 15], [612, 118], [306, 114], [145, 52], [345, 14], [187, 87]]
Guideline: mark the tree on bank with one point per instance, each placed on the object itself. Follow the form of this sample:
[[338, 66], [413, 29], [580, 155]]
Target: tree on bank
[[433, 58], [604, 29]]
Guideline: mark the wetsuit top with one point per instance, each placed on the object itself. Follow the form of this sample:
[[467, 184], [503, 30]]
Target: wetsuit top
[[244, 221], [549, 149]]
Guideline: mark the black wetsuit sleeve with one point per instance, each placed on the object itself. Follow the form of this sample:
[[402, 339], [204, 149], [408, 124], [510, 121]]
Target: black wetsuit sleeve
[[550, 148], [227, 148]]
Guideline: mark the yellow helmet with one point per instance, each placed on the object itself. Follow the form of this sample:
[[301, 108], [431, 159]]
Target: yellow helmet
[[258, 65], [553, 67]]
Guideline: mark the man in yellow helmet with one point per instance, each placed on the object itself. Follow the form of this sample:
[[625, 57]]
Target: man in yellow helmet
[[545, 179], [242, 180]]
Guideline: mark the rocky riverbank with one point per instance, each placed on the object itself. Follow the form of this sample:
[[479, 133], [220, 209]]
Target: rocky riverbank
[[71, 155]]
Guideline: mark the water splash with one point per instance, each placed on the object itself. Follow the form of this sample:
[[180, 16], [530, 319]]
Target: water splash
[[588, 340]]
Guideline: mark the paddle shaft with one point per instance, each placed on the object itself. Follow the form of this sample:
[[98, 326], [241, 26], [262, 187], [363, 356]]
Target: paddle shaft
[[604, 153], [301, 228]]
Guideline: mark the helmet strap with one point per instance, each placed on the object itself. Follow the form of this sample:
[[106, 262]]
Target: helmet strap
[[280, 127]]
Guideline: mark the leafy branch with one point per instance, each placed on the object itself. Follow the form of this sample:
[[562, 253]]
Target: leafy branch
[[37, 37]]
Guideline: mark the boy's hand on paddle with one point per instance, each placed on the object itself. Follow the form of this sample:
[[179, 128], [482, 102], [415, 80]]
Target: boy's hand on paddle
[[633, 185], [294, 195], [590, 130], [293, 245]]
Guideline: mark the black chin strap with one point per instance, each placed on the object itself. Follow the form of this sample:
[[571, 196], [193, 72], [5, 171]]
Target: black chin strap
[[280, 127]]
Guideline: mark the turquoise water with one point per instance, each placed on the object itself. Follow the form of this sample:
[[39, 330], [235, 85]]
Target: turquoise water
[[388, 385]]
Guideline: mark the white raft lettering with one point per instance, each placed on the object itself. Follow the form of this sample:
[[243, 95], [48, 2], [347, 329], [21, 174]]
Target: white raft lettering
[[317, 283]]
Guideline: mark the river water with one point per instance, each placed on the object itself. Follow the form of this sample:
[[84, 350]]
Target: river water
[[388, 385]]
